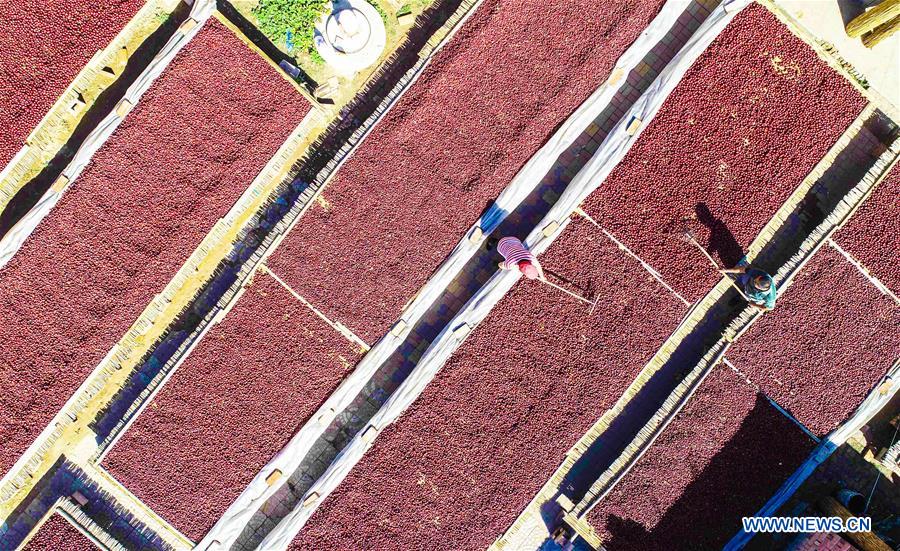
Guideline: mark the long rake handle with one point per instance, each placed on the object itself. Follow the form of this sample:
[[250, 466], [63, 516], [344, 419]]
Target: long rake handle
[[716, 266], [566, 291], [706, 254]]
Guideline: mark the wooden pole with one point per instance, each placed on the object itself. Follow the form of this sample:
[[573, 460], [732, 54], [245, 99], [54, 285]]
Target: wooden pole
[[867, 541], [703, 250], [566, 291], [881, 32], [715, 264], [880, 14]]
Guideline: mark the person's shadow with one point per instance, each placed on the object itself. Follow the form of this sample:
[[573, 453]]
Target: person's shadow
[[721, 240], [851, 8]]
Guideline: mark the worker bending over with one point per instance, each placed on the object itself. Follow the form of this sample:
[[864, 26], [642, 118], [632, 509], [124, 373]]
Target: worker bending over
[[515, 254], [758, 286]]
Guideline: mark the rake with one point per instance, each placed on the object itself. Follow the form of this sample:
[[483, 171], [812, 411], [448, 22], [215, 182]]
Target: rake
[[566, 291], [688, 236]]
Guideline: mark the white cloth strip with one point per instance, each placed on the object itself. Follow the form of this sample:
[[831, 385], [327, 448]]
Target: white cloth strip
[[870, 277], [339, 327]]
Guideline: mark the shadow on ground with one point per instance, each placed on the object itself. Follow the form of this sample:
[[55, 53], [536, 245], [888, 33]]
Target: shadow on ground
[[738, 480]]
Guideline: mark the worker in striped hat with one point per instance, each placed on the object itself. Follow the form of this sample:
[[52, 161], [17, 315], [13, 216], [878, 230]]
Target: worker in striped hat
[[517, 256]]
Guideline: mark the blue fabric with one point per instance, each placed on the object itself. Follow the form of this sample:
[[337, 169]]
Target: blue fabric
[[289, 40]]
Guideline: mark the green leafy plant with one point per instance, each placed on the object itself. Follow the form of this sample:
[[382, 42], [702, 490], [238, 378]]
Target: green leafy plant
[[277, 18], [379, 9]]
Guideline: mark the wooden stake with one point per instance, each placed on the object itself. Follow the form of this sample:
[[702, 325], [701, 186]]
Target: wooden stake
[[864, 540], [881, 32], [716, 265]]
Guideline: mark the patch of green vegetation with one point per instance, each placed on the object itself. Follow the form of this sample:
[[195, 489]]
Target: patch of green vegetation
[[161, 16], [406, 9], [379, 9], [291, 22]]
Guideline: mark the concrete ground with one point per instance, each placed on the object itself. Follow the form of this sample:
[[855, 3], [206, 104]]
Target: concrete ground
[[825, 19]]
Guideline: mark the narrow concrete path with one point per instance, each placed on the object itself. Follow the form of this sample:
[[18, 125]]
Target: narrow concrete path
[[96, 503]]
